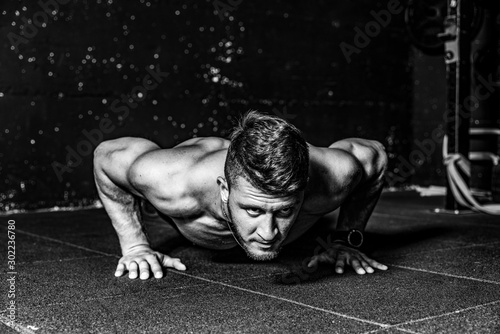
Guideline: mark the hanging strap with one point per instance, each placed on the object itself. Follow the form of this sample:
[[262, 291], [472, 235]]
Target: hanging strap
[[455, 162]]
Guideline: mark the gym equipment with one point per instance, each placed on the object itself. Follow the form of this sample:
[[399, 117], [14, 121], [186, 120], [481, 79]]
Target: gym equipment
[[469, 37]]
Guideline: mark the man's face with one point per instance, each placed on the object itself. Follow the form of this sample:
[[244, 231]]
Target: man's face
[[261, 222]]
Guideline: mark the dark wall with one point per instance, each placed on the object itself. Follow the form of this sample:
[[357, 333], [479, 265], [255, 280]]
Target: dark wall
[[429, 105], [65, 86]]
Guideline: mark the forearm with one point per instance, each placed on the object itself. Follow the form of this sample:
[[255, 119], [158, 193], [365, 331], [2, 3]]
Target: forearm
[[124, 212], [359, 205]]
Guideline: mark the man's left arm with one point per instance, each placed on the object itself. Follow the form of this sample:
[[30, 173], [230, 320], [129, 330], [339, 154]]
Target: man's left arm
[[357, 208]]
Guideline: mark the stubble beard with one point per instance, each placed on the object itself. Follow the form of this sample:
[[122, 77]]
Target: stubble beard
[[237, 235]]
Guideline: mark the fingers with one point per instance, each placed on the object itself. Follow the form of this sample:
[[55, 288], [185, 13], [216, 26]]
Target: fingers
[[313, 262], [152, 262], [156, 268], [340, 264], [359, 262], [367, 267], [132, 270], [144, 269], [171, 262], [141, 266], [356, 265], [374, 264], [119, 270], [340, 260]]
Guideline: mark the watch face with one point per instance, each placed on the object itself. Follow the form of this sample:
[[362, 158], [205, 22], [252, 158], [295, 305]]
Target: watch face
[[355, 238]]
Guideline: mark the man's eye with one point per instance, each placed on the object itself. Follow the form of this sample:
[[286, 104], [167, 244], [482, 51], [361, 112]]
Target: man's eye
[[253, 212], [286, 211]]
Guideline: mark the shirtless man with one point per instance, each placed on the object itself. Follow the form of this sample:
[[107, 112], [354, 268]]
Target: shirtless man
[[260, 190]]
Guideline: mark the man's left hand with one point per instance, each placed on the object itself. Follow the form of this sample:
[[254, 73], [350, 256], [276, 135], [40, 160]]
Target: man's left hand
[[340, 256]]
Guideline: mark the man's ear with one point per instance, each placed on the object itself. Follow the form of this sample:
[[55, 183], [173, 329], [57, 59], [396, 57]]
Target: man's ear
[[223, 188]]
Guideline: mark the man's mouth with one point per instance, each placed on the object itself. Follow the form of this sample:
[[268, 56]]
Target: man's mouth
[[264, 245]]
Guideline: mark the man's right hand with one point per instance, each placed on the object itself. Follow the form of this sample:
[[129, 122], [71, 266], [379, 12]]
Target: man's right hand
[[142, 259]]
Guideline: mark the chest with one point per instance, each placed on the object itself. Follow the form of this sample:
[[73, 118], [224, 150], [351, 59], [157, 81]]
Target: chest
[[206, 231]]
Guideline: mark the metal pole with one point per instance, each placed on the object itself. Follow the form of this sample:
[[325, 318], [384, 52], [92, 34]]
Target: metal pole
[[457, 38]]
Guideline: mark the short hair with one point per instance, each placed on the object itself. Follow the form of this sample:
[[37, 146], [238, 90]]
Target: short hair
[[268, 152]]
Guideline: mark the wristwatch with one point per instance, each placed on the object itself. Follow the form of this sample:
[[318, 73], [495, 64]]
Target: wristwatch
[[353, 238]]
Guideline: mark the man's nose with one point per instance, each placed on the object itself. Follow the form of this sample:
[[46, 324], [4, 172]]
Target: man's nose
[[267, 230]]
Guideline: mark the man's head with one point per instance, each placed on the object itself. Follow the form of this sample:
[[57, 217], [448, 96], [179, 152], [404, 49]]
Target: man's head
[[266, 172]]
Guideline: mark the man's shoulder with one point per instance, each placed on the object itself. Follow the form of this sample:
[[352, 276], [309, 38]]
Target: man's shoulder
[[174, 167], [185, 154], [333, 173], [205, 159], [205, 144], [337, 165], [177, 179]]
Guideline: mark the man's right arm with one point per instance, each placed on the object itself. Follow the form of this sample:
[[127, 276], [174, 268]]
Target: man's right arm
[[113, 162]]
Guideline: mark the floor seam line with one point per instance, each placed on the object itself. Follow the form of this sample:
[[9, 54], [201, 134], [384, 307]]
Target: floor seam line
[[445, 274], [105, 297], [283, 299], [447, 313], [489, 244], [404, 330], [61, 260], [397, 326], [48, 210], [430, 213], [257, 276], [120, 295], [15, 326], [65, 243]]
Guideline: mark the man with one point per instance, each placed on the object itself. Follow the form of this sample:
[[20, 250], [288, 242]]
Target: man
[[260, 190]]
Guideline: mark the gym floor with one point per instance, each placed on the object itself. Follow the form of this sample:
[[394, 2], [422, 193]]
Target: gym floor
[[444, 277]]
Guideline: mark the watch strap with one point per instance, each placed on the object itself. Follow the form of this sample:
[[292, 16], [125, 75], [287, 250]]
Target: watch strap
[[353, 237]]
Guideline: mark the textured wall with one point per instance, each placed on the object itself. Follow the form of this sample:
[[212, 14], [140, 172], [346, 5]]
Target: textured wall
[[82, 77]]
